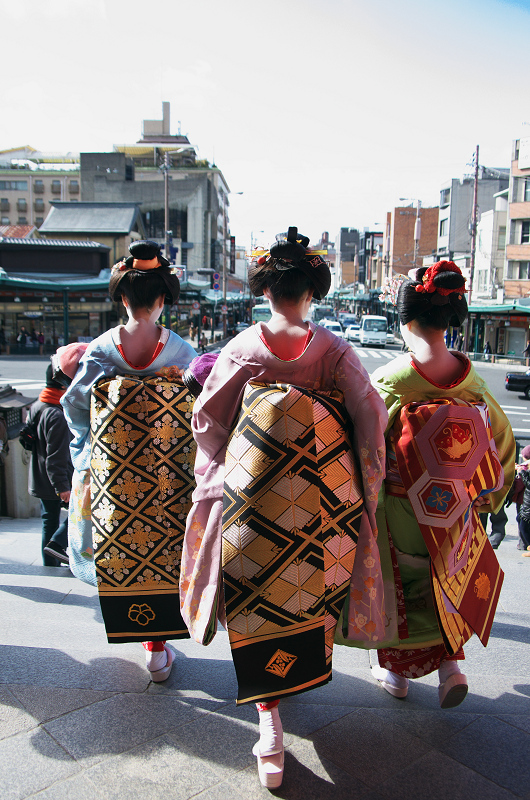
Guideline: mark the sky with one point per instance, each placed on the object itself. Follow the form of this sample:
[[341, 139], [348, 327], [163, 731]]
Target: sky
[[322, 113]]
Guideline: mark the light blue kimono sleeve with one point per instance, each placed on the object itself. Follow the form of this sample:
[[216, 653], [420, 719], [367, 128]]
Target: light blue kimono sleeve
[[76, 405]]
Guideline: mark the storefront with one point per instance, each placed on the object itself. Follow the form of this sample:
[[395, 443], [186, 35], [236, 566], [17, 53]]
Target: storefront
[[505, 327], [51, 313]]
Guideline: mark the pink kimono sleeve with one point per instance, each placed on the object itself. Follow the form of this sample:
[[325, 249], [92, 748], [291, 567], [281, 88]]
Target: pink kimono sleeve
[[214, 414], [367, 610]]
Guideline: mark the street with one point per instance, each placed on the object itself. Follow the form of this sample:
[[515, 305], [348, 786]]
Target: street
[[27, 376]]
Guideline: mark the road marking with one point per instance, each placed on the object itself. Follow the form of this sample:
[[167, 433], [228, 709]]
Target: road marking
[[516, 413], [520, 430], [27, 386], [515, 408]]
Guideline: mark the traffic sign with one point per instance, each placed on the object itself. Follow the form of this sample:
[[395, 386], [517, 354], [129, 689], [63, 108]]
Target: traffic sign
[[195, 306], [216, 277], [215, 286]]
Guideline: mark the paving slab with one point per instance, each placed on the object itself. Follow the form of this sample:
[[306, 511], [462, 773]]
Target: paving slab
[[81, 720], [32, 761], [439, 778]]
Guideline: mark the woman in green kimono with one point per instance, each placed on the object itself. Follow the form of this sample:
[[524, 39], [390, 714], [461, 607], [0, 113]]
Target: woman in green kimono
[[446, 575]]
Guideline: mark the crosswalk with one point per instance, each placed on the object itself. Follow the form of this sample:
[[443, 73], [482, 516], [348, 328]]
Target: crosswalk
[[362, 352], [28, 387]]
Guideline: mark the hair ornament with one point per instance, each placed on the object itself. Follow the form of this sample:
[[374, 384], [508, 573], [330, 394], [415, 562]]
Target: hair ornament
[[427, 282], [391, 288]]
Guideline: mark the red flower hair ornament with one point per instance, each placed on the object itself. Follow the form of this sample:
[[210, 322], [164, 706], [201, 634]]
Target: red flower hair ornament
[[427, 282]]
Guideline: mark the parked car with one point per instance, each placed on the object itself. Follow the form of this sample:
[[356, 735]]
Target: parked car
[[518, 382], [352, 333], [334, 327]]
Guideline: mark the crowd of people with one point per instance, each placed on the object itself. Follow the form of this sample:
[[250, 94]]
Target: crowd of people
[[278, 489]]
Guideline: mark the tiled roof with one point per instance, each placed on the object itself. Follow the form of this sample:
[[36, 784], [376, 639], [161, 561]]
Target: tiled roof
[[77, 243], [17, 231], [91, 218]]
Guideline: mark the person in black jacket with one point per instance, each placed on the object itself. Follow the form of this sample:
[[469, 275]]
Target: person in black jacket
[[50, 470], [523, 517]]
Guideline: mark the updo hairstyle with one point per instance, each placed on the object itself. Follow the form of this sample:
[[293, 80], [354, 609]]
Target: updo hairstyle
[[289, 270], [143, 277], [435, 299]]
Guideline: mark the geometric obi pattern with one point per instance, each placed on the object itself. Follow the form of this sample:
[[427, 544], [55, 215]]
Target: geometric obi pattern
[[141, 470], [291, 515], [447, 458]]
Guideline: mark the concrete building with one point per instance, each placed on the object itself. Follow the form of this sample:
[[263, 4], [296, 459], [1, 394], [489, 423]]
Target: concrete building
[[490, 252], [197, 193], [346, 258], [31, 180], [517, 272], [456, 209], [370, 258]]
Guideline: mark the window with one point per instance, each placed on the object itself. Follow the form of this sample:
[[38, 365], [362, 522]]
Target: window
[[444, 227], [518, 270], [19, 186], [39, 221], [526, 195], [501, 241], [5, 221], [56, 187], [22, 221], [525, 231], [22, 204], [73, 187], [39, 204], [38, 187], [445, 195], [4, 204]]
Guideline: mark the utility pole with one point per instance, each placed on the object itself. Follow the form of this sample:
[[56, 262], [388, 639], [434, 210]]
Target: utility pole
[[417, 233], [473, 245], [167, 232]]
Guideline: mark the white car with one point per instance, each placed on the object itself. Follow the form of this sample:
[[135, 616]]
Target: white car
[[334, 327], [352, 333]]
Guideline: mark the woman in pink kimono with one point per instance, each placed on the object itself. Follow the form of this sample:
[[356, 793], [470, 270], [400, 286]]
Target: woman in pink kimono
[[285, 350]]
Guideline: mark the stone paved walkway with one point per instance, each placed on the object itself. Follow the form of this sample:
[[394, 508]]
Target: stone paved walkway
[[80, 720]]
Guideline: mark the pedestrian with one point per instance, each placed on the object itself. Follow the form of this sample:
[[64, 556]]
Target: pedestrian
[[50, 470], [22, 337], [487, 351], [498, 525], [2, 339], [437, 407], [285, 378], [133, 487], [523, 472]]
